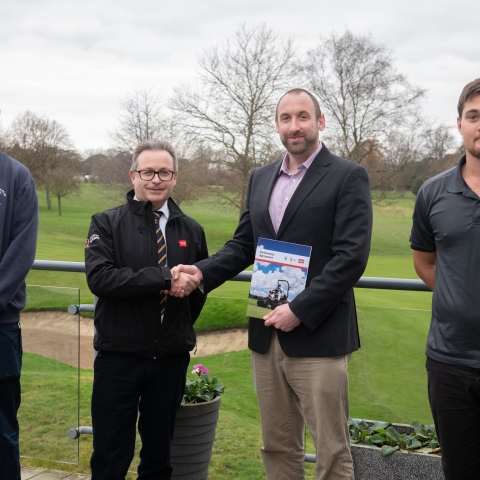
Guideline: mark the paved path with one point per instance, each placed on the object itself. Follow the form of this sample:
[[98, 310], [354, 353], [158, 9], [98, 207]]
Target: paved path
[[29, 473]]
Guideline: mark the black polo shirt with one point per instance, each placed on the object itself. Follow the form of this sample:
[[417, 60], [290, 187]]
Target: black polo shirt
[[446, 220]]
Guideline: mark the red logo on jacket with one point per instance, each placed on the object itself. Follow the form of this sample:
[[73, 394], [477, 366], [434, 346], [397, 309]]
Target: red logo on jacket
[[182, 243]]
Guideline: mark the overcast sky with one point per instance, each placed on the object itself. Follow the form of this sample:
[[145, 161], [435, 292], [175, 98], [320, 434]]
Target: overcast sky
[[73, 61]]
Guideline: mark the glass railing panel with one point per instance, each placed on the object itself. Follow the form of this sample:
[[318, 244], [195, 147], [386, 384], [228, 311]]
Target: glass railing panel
[[387, 376], [50, 374]]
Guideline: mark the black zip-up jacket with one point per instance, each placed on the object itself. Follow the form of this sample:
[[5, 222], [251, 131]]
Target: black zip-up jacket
[[121, 267]]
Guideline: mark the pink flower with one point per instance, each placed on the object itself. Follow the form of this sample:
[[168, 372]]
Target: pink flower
[[199, 369]]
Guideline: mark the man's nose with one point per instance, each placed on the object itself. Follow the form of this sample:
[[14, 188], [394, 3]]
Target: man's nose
[[293, 125]]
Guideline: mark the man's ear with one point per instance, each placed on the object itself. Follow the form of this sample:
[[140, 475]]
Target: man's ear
[[321, 123], [132, 176]]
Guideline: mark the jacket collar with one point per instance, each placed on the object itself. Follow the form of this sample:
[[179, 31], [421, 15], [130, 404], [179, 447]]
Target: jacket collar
[[145, 208]]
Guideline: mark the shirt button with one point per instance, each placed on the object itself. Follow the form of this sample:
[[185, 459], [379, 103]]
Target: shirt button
[[286, 198], [293, 180]]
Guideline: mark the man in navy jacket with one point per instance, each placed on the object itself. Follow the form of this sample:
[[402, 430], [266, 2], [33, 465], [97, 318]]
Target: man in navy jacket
[[18, 241]]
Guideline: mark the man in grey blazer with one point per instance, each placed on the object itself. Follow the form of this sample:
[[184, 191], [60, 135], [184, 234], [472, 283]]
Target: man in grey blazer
[[300, 350]]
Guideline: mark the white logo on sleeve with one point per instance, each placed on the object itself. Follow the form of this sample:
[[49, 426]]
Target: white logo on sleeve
[[91, 239]]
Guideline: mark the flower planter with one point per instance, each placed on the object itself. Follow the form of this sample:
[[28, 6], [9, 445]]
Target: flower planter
[[370, 465], [193, 439]]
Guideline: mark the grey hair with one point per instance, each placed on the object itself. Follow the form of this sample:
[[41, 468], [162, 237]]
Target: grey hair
[[154, 145]]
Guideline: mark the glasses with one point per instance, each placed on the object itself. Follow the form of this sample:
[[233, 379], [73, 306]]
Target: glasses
[[163, 175]]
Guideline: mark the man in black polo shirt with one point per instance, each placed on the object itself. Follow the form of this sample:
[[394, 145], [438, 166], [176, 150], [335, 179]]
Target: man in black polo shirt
[[446, 253]]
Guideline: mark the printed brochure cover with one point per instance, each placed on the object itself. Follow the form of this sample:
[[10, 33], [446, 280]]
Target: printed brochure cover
[[279, 275]]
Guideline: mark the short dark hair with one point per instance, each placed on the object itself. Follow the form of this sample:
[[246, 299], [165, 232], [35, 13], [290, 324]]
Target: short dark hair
[[298, 91], [470, 90]]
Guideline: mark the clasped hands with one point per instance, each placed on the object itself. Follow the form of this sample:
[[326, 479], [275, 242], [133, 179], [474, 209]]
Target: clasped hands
[[185, 279]]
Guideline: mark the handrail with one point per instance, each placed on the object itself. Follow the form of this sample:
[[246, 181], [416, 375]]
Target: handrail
[[246, 276]]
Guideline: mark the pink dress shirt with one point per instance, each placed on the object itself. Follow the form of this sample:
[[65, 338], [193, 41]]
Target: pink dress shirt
[[285, 187]]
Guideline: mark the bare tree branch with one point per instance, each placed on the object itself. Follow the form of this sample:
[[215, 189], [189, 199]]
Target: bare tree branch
[[364, 95], [142, 118], [233, 110], [39, 143]]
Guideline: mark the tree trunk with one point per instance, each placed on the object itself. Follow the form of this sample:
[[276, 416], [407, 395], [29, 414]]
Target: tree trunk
[[59, 205], [49, 200]]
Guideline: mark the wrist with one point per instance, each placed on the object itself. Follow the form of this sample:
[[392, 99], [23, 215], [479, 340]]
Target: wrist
[[167, 278]]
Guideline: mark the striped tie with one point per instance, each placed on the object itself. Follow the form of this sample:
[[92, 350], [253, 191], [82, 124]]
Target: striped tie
[[162, 256]]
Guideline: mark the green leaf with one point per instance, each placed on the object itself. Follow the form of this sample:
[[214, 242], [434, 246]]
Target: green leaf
[[380, 426], [417, 428], [387, 450], [377, 439], [414, 445], [392, 434], [369, 443]]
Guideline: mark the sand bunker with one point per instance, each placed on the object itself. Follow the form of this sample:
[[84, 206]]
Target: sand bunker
[[65, 338]]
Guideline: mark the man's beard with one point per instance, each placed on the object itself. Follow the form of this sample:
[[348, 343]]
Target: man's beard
[[474, 150], [299, 148]]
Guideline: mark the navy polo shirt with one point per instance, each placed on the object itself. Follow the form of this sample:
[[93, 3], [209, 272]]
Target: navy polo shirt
[[446, 220]]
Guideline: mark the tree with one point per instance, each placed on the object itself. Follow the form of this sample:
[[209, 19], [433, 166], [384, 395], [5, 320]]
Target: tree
[[364, 95], [40, 144], [439, 152], [141, 119], [233, 110], [65, 179], [3, 140], [111, 168], [439, 144]]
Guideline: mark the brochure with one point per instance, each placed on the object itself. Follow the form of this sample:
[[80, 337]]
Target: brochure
[[279, 275]]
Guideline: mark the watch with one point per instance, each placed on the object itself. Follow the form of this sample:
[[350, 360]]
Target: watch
[[167, 278]]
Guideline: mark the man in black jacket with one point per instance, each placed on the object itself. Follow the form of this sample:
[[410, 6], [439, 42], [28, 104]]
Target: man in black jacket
[[142, 338], [301, 349]]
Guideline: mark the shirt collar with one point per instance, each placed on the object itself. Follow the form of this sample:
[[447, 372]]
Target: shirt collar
[[456, 183], [164, 209], [306, 164]]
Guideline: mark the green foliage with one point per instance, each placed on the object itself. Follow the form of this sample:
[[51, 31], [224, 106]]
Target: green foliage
[[384, 436], [201, 389]]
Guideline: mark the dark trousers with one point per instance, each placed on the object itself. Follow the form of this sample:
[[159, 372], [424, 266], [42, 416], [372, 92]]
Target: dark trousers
[[10, 366], [127, 387], [454, 394]]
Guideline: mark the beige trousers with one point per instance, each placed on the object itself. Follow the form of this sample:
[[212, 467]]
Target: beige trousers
[[291, 390]]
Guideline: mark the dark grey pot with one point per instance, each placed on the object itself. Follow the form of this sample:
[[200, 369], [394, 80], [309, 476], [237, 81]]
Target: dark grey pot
[[193, 440], [370, 465]]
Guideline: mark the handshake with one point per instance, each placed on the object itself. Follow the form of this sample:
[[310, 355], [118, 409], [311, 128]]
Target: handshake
[[185, 279]]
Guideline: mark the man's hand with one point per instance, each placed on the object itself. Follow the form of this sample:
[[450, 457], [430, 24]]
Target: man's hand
[[190, 269], [282, 318], [183, 284]]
